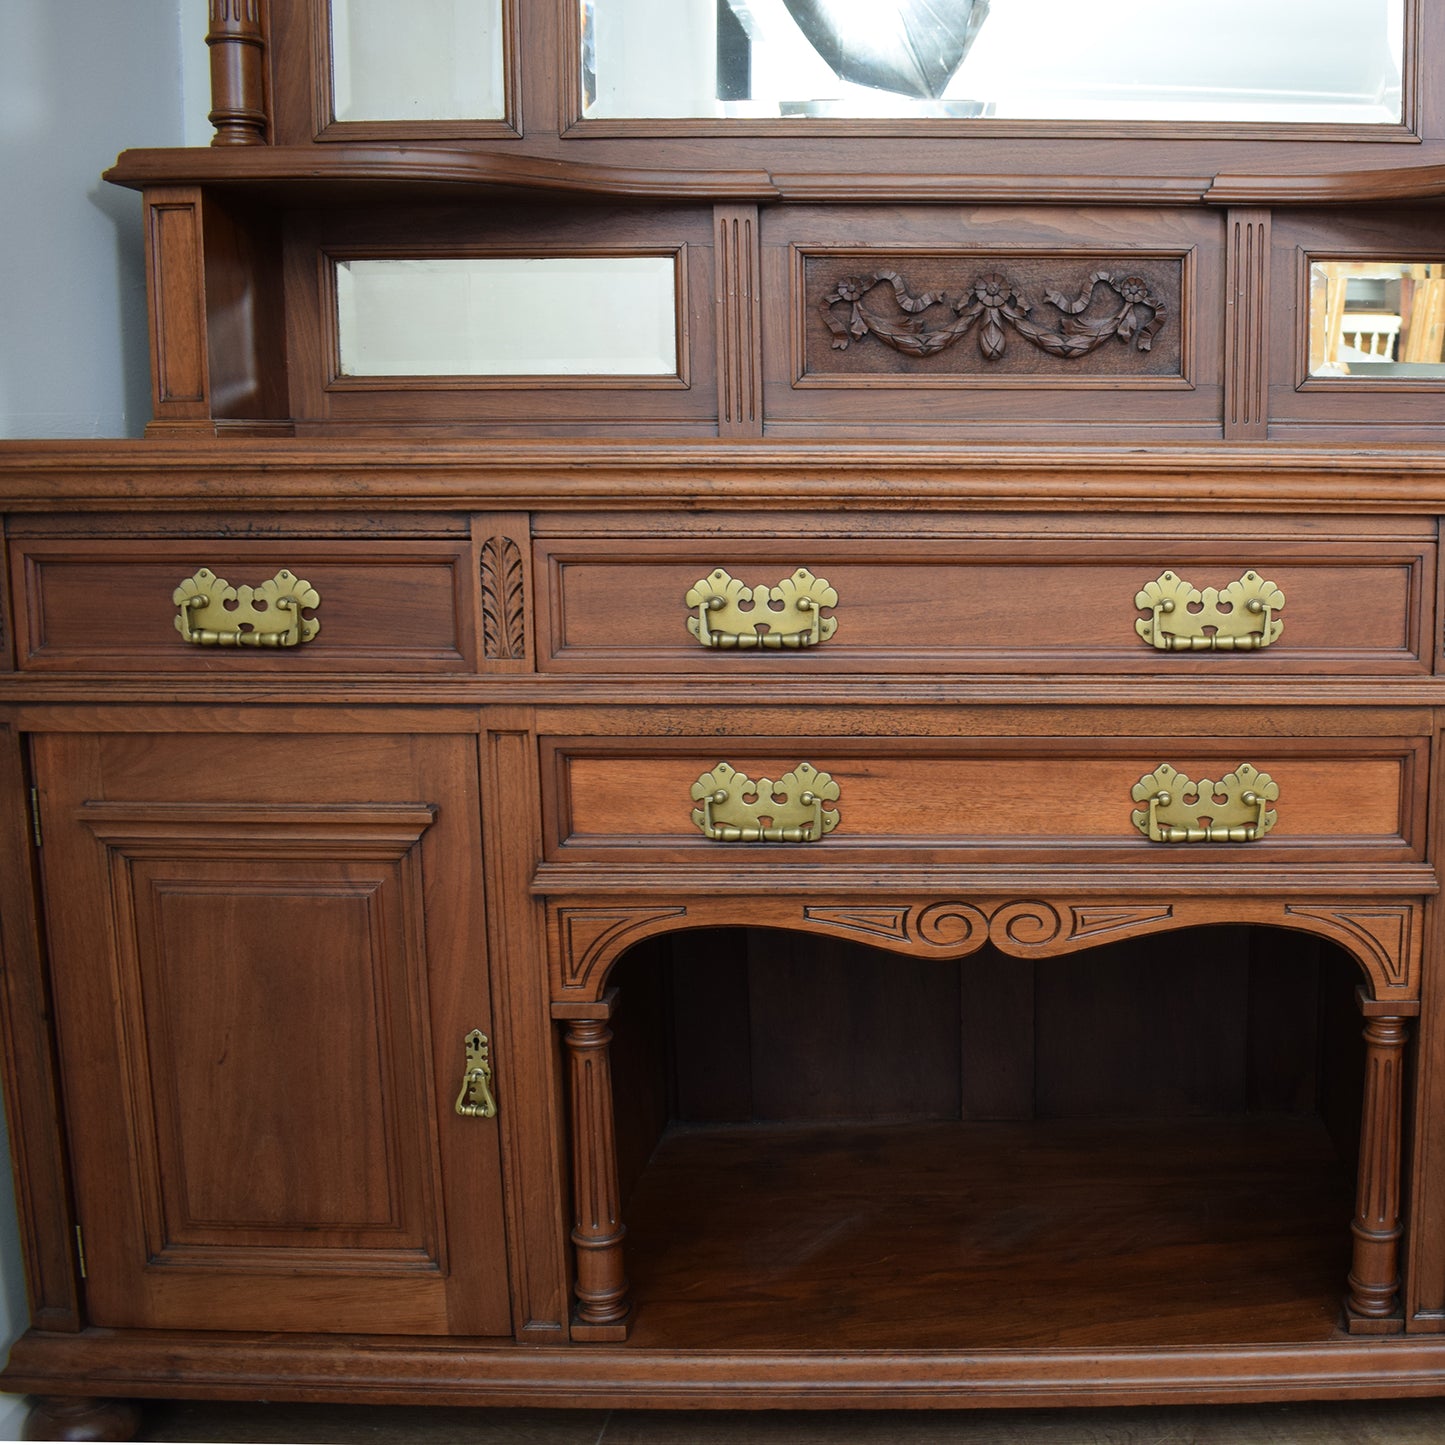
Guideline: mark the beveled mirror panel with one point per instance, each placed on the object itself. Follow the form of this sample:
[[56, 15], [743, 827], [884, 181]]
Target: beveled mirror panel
[[1273, 61], [507, 316], [1377, 319], [425, 60]]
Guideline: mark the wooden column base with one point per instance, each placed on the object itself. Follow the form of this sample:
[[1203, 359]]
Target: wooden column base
[[81, 1417], [612, 1333]]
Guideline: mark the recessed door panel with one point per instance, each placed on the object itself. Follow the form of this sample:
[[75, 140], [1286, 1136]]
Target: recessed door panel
[[254, 1019]]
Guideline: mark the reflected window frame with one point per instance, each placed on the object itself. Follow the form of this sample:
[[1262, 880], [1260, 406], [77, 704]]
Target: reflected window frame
[[576, 124], [1306, 379]]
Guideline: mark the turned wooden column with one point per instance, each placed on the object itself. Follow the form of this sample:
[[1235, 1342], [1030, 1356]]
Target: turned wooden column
[[238, 84], [1373, 1305], [603, 1308]]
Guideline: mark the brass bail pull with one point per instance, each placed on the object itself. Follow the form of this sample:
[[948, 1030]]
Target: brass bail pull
[[212, 613], [1178, 810], [476, 1100], [1242, 617], [734, 616], [735, 809]]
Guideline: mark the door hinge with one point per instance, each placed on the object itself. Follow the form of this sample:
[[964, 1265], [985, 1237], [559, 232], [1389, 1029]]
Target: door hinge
[[80, 1251], [35, 815]]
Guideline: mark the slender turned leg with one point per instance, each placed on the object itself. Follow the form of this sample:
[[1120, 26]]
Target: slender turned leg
[[603, 1308], [1373, 1305], [81, 1417]]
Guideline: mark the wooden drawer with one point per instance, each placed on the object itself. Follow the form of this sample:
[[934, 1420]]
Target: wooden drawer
[[994, 798], [927, 605], [106, 606]]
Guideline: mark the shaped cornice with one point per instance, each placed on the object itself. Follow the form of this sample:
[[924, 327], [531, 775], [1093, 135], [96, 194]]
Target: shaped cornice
[[415, 166], [447, 168]]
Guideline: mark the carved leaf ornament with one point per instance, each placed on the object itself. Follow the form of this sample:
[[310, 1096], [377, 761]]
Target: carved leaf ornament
[[504, 634], [993, 307]]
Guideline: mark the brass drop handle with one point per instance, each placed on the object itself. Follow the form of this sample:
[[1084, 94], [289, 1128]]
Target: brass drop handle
[[737, 810], [476, 1100], [1184, 619], [724, 620], [1178, 810], [215, 614]]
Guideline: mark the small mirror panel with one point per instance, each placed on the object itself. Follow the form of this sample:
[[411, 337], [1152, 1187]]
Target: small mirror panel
[[1274, 61], [1377, 319], [424, 60], [507, 316]]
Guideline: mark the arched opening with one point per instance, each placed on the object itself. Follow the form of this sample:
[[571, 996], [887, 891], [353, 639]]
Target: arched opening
[[822, 1144]]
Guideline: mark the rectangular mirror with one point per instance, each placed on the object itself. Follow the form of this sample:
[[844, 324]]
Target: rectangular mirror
[[1373, 318], [424, 60], [1276, 61], [507, 316]]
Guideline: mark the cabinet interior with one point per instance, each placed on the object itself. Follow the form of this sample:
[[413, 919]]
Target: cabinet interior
[[823, 1143]]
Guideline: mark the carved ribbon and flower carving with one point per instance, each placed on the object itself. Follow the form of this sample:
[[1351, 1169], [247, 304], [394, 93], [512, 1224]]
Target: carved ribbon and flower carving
[[991, 307]]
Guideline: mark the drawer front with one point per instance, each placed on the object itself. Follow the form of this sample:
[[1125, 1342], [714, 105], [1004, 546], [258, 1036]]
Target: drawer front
[[1338, 798], [107, 606], [985, 606]]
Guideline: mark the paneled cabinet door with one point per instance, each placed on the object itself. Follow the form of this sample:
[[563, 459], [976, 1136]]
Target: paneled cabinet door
[[267, 953]]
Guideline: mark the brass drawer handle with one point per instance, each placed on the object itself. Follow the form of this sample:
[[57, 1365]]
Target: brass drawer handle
[[788, 811], [264, 616], [1233, 810], [476, 1100], [723, 621], [1247, 623]]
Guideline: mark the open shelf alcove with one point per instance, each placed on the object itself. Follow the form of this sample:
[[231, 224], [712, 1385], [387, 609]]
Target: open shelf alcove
[[823, 1144]]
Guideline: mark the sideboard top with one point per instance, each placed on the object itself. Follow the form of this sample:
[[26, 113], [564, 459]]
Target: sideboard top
[[352, 474]]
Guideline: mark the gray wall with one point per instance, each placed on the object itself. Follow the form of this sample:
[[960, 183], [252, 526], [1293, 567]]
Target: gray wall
[[79, 81]]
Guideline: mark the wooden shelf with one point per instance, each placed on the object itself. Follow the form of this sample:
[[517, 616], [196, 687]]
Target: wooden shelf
[[1059, 1234], [385, 171]]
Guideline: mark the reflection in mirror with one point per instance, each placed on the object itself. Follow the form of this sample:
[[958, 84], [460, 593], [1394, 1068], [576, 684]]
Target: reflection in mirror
[[1280, 61], [507, 316], [425, 60], [1377, 318]]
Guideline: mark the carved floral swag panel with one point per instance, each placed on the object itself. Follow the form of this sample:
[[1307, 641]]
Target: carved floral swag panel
[[992, 307]]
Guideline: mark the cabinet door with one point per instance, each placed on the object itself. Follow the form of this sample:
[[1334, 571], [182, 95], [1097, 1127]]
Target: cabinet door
[[267, 953]]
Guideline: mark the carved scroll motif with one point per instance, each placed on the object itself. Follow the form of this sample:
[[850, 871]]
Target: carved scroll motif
[[993, 306], [1023, 928]]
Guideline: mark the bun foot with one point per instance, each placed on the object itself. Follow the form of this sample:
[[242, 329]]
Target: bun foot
[[81, 1417]]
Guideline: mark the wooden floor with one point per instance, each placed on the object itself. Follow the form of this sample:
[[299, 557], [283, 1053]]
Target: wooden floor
[[1061, 1233], [1404, 1422]]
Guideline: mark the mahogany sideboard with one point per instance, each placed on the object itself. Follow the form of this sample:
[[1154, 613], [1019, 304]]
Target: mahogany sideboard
[[891, 864]]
